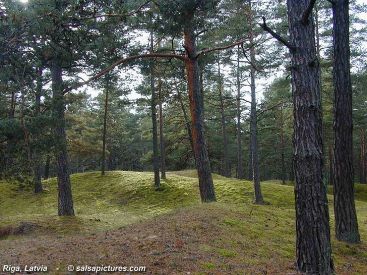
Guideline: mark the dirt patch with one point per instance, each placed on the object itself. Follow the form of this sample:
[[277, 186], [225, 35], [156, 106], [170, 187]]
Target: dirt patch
[[22, 229]]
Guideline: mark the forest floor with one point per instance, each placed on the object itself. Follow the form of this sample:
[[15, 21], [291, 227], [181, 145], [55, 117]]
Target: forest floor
[[121, 220]]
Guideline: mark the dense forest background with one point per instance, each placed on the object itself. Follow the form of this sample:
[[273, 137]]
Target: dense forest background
[[89, 45]]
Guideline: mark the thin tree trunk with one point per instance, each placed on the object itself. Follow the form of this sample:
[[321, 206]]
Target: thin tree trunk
[[47, 168], [346, 224], [157, 181], [65, 199], [186, 119], [249, 172], [36, 156], [331, 157], [312, 214], [258, 198], [282, 145], [240, 170], [206, 185], [104, 135], [363, 160], [225, 163], [161, 132]]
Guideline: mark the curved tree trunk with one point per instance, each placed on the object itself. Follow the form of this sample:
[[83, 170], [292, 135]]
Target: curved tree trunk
[[312, 214], [65, 199], [346, 224], [206, 185]]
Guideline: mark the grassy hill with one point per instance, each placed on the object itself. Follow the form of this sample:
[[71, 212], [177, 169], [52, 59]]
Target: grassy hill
[[168, 230]]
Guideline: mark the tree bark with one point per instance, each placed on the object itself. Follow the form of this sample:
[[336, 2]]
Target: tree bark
[[65, 199], [346, 224], [240, 170], [161, 131], [36, 156], [157, 181], [312, 215], [206, 185], [225, 162], [104, 135]]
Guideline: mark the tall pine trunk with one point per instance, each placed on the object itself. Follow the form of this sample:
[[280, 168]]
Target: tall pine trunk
[[346, 224], [226, 171], [258, 198], [161, 131], [240, 169], [206, 185], [65, 199], [153, 106], [36, 156], [104, 134], [312, 214]]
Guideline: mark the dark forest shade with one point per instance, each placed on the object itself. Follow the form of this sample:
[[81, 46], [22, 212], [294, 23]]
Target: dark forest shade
[[206, 185], [346, 224], [313, 246]]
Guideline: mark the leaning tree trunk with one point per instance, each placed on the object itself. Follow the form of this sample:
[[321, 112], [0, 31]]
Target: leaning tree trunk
[[312, 214], [157, 181], [346, 224], [161, 132], [65, 199], [206, 185], [226, 171], [240, 170], [36, 156]]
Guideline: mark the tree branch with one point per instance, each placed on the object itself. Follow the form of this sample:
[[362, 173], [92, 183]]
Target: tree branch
[[307, 13], [204, 51], [249, 61], [277, 36], [124, 61]]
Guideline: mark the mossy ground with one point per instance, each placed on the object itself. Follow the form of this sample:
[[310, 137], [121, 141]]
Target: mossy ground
[[235, 235]]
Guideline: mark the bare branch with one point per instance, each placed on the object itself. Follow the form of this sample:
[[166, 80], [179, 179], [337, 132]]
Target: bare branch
[[204, 51], [277, 36], [307, 13], [124, 61]]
